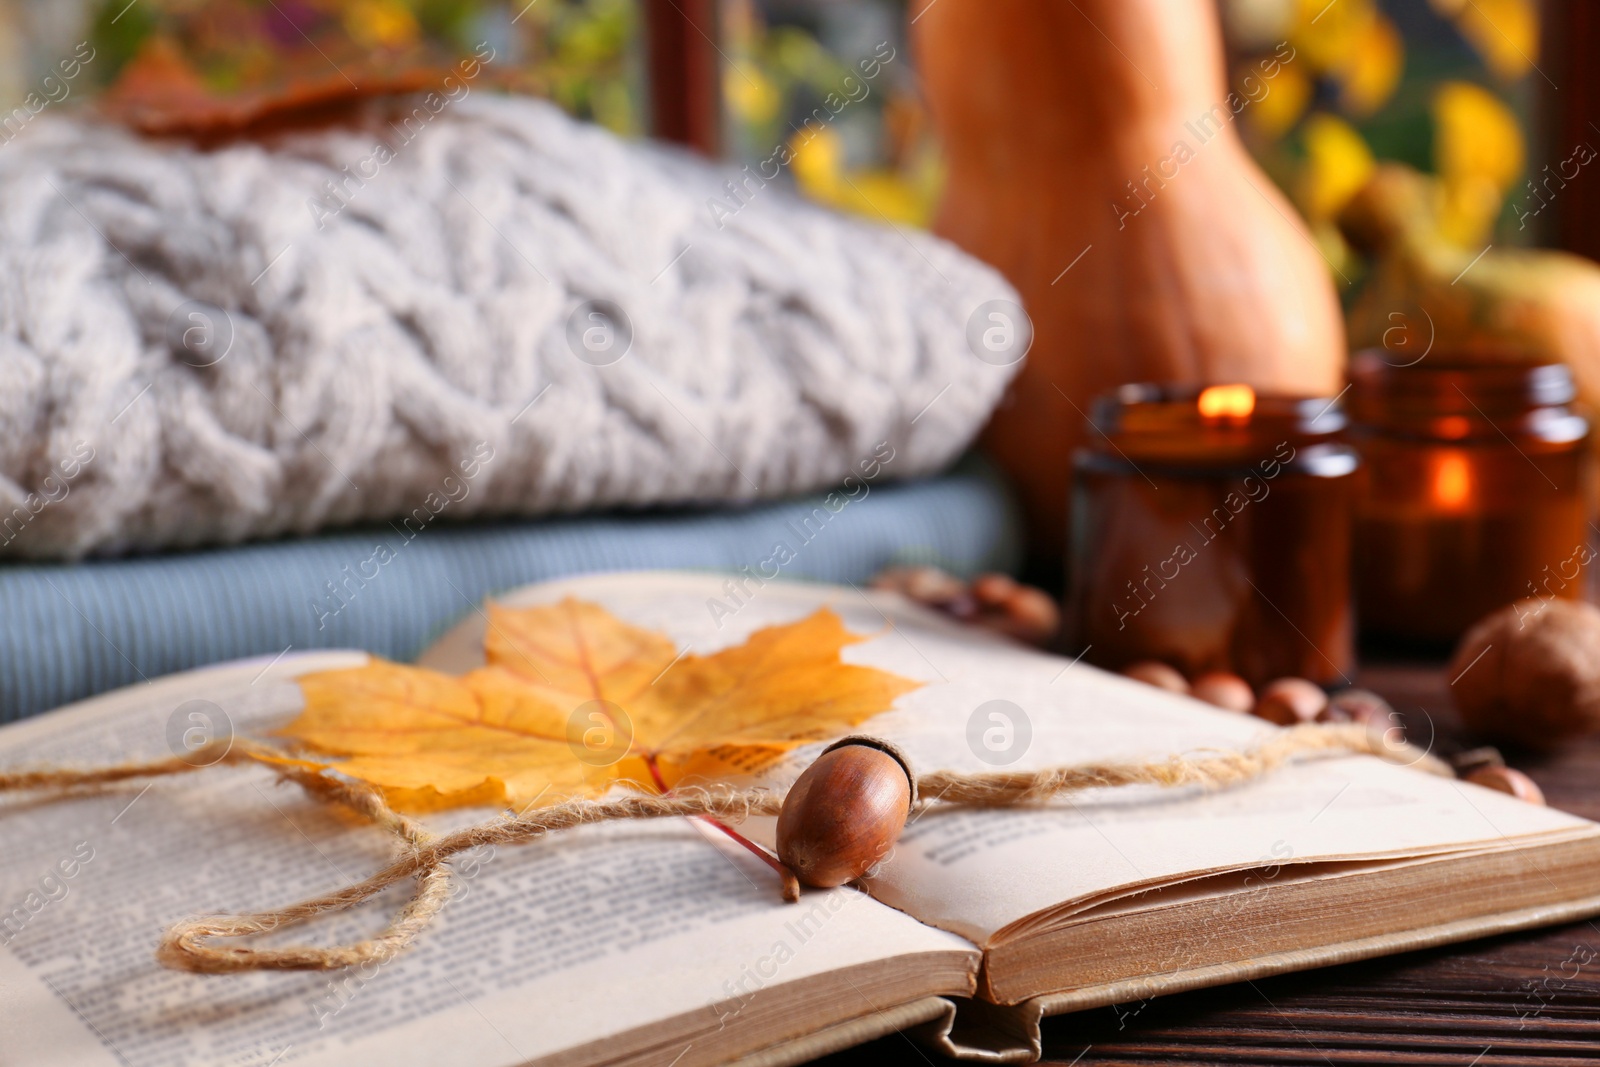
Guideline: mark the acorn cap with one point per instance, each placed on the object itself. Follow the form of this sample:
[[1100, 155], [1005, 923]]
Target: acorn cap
[[887, 747]]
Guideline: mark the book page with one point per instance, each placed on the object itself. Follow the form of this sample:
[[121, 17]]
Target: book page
[[546, 947], [991, 704]]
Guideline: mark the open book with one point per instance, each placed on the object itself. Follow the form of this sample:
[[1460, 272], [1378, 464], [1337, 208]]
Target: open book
[[657, 943]]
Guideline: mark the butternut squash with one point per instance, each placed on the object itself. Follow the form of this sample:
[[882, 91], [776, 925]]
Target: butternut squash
[[1094, 159]]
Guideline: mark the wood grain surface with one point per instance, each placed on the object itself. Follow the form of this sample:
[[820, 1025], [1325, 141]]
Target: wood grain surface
[[1530, 998]]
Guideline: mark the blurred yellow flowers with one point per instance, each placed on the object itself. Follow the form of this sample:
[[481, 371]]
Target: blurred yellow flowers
[[1369, 74], [1277, 111], [750, 94], [1504, 32], [1478, 154], [820, 173], [1338, 164], [1353, 43], [380, 23], [1354, 49]]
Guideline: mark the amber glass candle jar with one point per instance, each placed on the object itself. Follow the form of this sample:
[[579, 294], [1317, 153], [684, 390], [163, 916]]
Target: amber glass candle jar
[[1212, 531], [1474, 492]]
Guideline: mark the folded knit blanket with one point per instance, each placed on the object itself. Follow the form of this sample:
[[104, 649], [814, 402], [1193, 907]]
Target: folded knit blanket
[[485, 309]]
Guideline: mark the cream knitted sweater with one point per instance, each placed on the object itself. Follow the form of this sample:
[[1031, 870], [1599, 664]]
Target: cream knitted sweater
[[207, 346]]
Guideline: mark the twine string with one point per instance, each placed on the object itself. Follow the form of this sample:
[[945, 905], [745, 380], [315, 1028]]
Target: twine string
[[191, 945]]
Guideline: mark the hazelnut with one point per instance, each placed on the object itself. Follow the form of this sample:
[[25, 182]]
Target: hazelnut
[[1290, 701], [844, 813], [993, 601], [1151, 672], [994, 589], [1020, 611], [1227, 691], [926, 585], [1530, 673], [1510, 781], [1476, 759], [1358, 705]]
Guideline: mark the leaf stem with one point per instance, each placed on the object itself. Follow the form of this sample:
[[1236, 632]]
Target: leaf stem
[[791, 884], [655, 773]]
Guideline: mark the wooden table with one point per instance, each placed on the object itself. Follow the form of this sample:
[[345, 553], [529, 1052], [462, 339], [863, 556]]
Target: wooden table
[[1530, 998]]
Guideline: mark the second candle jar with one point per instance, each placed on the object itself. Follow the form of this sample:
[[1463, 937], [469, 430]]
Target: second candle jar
[[1212, 531], [1477, 477]]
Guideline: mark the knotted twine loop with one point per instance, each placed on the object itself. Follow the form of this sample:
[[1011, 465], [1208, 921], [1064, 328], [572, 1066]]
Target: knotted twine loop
[[419, 853]]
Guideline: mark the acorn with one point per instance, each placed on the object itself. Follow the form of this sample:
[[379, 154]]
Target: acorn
[[845, 812]]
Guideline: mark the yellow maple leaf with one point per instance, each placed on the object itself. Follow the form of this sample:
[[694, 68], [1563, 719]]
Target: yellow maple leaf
[[573, 699]]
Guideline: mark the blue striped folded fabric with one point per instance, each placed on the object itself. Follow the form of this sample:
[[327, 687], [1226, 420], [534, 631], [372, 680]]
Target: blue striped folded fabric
[[69, 631]]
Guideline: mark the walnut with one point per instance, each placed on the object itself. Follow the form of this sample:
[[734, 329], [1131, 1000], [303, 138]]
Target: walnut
[[1530, 673]]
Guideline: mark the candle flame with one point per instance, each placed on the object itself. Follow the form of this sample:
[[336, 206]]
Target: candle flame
[[1233, 401], [1452, 481]]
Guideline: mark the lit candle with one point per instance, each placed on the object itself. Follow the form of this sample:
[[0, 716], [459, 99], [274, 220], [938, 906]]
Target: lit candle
[[1226, 401], [1452, 481], [1211, 530], [1474, 494]]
